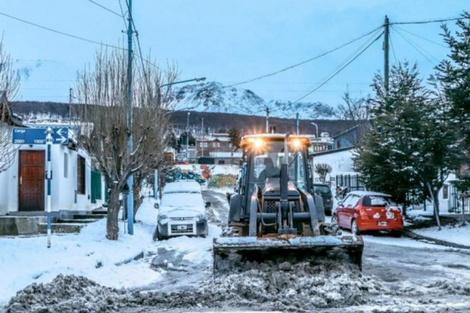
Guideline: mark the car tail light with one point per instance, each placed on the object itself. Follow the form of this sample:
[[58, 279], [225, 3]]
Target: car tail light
[[363, 213]]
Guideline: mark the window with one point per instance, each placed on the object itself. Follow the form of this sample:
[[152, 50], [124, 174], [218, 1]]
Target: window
[[81, 175], [66, 165], [445, 191]]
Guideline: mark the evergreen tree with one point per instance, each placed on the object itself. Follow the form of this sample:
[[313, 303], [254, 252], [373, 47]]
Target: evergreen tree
[[409, 146], [235, 138], [453, 78]]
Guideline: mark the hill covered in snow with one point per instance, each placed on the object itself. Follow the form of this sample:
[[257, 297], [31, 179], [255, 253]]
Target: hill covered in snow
[[216, 98]]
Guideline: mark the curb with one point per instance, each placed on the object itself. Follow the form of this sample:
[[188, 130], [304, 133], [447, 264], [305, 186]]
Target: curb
[[410, 234]]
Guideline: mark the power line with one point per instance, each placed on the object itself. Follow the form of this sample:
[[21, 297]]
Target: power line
[[140, 55], [338, 71], [306, 61], [105, 8], [428, 22], [61, 33], [416, 35], [393, 49], [417, 48]]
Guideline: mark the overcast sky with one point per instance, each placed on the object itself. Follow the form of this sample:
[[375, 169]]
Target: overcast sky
[[228, 41]]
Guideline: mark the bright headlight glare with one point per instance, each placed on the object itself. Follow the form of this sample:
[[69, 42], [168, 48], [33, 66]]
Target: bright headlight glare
[[258, 143], [296, 144]]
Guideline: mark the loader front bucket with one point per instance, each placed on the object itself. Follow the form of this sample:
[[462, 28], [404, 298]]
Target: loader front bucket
[[237, 254]]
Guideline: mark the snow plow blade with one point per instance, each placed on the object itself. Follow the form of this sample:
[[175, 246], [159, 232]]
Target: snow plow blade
[[237, 254]]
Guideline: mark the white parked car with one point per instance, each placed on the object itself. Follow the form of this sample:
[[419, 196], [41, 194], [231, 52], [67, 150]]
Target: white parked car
[[182, 211]]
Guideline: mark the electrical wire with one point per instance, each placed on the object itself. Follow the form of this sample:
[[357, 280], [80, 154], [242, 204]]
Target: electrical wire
[[393, 48], [105, 8], [306, 61], [338, 71], [427, 22], [140, 55], [417, 48], [416, 35], [62, 33], [123, 14]]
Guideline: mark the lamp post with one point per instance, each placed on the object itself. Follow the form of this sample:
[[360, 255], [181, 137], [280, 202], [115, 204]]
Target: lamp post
[[316, 135], [199, 79], [202, 154], [187, 137]]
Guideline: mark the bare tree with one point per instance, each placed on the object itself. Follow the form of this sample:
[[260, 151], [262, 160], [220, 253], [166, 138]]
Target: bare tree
[[9, 86], [354, 109], [322, 169], [102, 124]]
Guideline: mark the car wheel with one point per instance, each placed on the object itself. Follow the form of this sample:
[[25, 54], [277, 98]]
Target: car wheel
[[156, 235], [354, 229], [396, 234]]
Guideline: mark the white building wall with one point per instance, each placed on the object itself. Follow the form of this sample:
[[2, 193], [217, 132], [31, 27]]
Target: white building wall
[[63, 187], [340, 161]]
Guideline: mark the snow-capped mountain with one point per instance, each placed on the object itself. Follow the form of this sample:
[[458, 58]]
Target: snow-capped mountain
[[215, 97], [42, 80]]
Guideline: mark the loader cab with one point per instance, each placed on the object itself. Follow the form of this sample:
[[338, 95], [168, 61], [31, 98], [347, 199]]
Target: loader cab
[[262, 150]]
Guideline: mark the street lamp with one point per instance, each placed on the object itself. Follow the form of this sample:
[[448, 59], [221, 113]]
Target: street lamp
[[200, 79], [316, 135], [159, 94]]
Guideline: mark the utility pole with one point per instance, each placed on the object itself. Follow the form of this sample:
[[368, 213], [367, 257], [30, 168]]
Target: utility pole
[[70, 106], [386, 48], [267, 120], [130, 180], [202, 153], [297, 123]]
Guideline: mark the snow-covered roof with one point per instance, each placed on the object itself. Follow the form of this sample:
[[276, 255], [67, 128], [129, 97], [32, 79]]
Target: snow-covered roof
[[368, 193], [182, 187], [236, 155]]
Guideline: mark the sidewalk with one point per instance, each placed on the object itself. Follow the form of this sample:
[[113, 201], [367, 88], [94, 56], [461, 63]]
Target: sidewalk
[[455, 230]]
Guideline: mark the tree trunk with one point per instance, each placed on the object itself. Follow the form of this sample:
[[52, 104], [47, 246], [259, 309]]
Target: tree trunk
[[112, 228], [137, 198], [435, 201]]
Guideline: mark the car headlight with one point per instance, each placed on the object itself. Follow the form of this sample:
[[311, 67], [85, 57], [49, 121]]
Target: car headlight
[[201, 217], [162, 217]]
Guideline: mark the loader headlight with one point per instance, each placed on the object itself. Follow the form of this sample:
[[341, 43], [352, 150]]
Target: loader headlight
[[258, 143], [296, 144]]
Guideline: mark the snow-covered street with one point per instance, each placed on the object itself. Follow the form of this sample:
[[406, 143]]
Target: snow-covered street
[[87, 273]]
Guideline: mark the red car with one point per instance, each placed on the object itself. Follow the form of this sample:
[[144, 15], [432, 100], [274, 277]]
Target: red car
[[368, 211]]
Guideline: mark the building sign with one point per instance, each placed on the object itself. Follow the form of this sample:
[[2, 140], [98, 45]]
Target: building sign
[[37, 136]]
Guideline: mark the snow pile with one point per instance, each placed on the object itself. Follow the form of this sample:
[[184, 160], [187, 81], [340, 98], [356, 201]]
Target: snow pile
[[66, 294], [295, 288]]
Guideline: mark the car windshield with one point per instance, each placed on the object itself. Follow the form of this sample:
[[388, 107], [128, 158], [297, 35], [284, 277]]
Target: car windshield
[[381, 201]]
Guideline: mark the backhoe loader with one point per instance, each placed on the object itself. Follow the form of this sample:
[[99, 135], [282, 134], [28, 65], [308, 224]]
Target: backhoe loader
[[274, 215]]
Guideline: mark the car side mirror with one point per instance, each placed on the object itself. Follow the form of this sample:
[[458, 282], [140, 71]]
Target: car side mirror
[[156, 206], [208, 204]]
